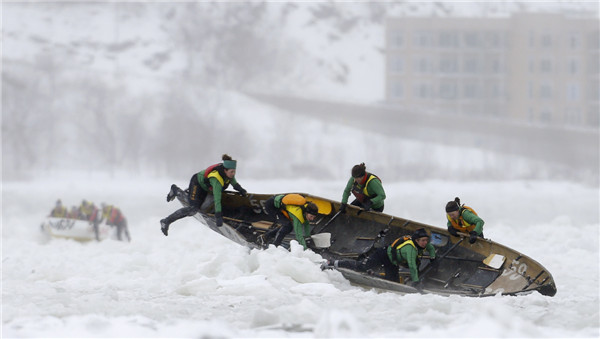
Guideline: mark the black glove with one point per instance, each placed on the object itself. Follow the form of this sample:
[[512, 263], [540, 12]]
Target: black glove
[[310, 243], [367, 205], [472, 237], [219, 219], [240, 189], [453, 231], [343, 208]]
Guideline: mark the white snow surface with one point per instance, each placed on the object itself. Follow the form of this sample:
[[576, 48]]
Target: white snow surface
[[196, 283]]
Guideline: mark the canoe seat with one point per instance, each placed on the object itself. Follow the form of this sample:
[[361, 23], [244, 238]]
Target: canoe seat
[[262, 225]]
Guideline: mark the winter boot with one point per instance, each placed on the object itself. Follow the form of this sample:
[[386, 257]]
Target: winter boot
[[262, 241], [327, 265], [164, 227], [172, 194]]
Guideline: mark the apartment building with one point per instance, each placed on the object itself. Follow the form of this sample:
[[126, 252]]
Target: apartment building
[[536, 68]]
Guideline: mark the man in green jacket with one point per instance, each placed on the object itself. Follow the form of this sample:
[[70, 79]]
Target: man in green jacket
[[462, 218], [402, 252], [367, 189], [292, 212], [213, 180]]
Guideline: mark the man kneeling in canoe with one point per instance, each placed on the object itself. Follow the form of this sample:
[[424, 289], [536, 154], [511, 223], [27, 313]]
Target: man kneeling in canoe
[[404, 252]]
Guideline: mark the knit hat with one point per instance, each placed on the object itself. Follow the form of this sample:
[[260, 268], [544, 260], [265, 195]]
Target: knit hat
[[229, 164], [311, 208], [452, 206], [420, 233]]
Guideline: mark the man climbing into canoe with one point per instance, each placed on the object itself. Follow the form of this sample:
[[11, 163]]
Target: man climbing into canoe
[[213, 180], [292, 212], [462, 218], [115, 218], [404, 251], [367, 189]]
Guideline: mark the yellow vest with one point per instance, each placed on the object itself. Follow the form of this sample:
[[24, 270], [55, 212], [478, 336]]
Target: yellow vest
[[460, 224], [215, 174], [296, 211], [367, 184]]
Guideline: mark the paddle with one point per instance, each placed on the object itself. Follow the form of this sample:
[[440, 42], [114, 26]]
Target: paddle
[[438, 259], [330, 221]]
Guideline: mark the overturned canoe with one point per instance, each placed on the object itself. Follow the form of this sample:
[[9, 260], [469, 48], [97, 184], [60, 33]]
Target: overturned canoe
[[484, 268]]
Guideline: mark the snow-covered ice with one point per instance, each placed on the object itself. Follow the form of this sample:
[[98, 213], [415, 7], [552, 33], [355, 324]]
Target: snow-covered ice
[[195, 283]]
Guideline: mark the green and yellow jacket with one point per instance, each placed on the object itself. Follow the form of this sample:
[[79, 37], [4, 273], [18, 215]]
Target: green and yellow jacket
[[216, 183], [295, 214], [372, 190], [408, 255], [467, 221]]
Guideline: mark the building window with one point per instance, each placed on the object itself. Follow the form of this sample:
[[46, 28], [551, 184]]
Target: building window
[[423, 91], [448, 90], [594, 91], [573, 116], [471, 39], [546, 115], [397, 90], [593, 116], [495, 90], [546, 40], [574, 40], [530, 90], [531, 65], [449, 64], [531, 115], [594, 40], [471, 90], [546, 91], [448, 39], [494, 64], [397, 64], [573, 92], [493, 39], [594, 64], [422, 65], [531, 39], [423, 39], [546, 66], [471, 64], [397, 39], [573, 66]]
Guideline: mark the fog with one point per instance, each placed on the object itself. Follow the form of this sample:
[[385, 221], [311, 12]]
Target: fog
[[148, 87]]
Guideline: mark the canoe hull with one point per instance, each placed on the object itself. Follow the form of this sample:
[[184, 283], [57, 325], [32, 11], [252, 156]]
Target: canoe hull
[[355, 234]]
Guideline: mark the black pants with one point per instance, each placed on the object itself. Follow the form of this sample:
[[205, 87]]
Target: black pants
[[379, 257], [196, 196], [122, 228], [286, 224], [357, 202]]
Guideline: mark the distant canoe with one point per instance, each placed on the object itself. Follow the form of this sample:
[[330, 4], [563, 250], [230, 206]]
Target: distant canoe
[[484, 268], [76, 229]]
